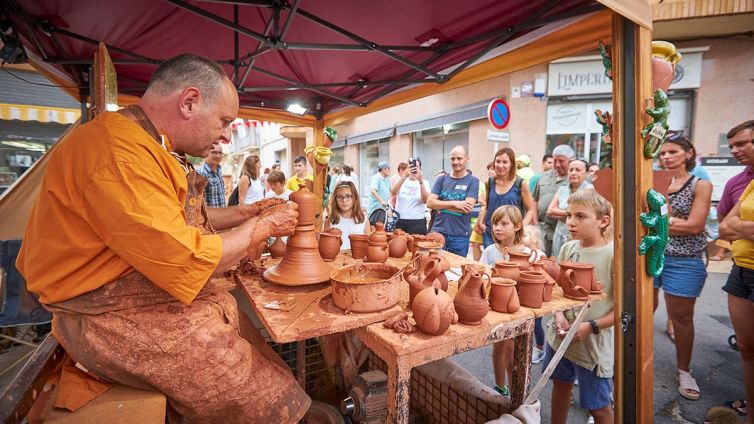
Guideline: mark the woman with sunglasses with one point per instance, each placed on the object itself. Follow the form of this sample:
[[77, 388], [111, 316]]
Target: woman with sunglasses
[[684, 273], [346, 213]]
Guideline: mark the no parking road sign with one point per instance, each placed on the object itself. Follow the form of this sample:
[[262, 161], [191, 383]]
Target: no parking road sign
[[499, 113]]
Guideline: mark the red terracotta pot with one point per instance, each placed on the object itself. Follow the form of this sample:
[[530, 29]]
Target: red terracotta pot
[[433, 311], [539, 266], [359, 243], [365, 287], [505, 269], [531, 286], [503, 296], [329, 245], [470, 301]]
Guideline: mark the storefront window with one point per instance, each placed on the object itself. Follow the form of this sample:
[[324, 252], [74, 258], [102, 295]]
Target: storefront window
[[371, 153], [338, 157], [433, 147]]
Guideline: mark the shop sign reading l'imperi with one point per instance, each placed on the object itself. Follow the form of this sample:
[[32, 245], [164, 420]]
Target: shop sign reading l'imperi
[[585, 75]]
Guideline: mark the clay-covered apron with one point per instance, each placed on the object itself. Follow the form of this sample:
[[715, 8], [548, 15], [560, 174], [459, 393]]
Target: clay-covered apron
[[212, 365]]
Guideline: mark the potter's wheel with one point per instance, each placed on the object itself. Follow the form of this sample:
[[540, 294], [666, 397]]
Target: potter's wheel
[[302, 264]]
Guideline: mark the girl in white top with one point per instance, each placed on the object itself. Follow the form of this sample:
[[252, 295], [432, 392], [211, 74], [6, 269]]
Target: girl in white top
[[346, 214], [348, 175], [250, 187], [412, 191], [507, 231]]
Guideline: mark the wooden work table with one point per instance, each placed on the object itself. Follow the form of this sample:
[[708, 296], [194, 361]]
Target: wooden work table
[[298, 313]]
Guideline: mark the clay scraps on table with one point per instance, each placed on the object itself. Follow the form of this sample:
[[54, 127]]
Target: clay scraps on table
[[400, 323]]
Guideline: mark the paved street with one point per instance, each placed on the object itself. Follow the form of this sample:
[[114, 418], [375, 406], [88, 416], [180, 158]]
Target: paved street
[[716, 367]]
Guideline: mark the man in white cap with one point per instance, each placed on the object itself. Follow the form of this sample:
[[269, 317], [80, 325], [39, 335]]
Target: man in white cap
[[524, 171], [379, 188]]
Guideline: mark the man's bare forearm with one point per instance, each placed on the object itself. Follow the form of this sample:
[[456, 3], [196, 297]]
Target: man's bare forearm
[[226, 218], [238, 243]]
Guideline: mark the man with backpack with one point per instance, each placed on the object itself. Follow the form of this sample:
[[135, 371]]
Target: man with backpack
[[453, 197]]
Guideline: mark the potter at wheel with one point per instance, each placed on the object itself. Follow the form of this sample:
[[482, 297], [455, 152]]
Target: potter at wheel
[[302, 264]]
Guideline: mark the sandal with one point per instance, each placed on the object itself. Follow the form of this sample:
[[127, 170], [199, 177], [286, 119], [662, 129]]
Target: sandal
[[737, 405], [687, 386]]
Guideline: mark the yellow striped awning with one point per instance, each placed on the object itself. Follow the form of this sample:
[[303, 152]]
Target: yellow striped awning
[[39, 113]]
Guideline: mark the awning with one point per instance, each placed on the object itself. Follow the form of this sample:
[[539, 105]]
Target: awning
[[38, 113], [372, 135], [462, 114]]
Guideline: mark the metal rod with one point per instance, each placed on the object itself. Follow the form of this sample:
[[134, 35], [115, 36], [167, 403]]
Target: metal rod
[[510, 32], [352, 47], [251, 57], [92, 41], [289, 19], [235, 45], [275, 19], [314, 89], [337, 84], [217, 19], [367, 43], [405, 77], [258, 3]]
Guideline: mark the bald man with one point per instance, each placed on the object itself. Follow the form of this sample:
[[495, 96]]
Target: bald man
[[453, 197], [120, 247]]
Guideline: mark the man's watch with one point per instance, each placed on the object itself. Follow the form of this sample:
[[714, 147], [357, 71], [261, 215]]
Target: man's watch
[[595, 327]]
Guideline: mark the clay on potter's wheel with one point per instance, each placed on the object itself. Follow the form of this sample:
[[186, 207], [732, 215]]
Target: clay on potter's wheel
[[277, 249], [365, 287], [302, 264]]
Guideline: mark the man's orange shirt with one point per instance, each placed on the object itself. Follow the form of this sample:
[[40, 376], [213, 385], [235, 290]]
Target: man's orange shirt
[[111, 202]]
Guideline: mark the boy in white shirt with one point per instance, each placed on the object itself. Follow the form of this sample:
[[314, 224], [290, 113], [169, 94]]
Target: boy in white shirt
[[278, 190]]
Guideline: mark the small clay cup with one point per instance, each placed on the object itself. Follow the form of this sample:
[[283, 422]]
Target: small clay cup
[[503, 296], [359, 243], [531, 286], [277, 248], [329, 245]]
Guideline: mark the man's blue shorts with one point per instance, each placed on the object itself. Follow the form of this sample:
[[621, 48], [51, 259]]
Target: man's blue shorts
[[682, 277], [594, 392]]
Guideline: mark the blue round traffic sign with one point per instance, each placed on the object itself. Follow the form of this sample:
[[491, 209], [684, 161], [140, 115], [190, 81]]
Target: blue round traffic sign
[[499, 113]]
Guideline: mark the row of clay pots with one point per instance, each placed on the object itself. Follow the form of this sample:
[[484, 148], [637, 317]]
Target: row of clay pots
[[534, 284]]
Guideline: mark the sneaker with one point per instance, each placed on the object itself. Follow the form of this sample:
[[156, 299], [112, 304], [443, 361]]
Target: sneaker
[[537, 355], [502, 390]]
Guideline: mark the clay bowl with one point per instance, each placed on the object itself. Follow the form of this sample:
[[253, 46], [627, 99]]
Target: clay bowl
[[359, 243], [366, 287]]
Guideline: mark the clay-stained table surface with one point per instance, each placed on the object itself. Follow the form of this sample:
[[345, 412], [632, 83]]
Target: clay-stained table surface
[[309, 311]]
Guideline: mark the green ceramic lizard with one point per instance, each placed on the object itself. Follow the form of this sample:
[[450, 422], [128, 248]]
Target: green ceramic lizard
[[605, 52], [653, 244], [659, 116]]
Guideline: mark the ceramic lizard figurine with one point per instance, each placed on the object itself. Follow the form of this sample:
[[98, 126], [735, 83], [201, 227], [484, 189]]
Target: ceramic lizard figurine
[[606, 53], [659, 114], [653, 244]]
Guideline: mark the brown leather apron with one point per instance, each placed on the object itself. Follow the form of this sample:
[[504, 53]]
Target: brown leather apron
[[213, 366]]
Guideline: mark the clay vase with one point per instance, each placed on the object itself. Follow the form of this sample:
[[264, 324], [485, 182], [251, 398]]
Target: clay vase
[[398, 246], [277, 248], [551, 267], [576, 279], [329, 244], [663, 73], [471, 299], [505, 269], [539, 266], [425, 275], [378, 249], [523, 259], [433, 311], [444, 266], [503, 295], [531, 287], [359, 243]]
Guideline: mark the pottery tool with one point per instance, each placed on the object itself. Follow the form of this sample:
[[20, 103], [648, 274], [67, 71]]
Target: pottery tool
[[534, 393]]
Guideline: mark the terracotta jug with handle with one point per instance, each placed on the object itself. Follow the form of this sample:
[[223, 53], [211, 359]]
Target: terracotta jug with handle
[[503, 295], [523, 259], [471, 299]]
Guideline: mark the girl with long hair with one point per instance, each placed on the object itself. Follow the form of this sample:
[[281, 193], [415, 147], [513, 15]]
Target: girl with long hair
[[346, 213], [250, 187]]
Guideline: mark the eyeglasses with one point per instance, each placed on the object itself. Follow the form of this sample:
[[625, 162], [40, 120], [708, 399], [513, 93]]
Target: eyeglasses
[[344, 197]]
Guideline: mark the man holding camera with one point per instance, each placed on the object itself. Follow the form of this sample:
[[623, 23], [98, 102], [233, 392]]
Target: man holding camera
[[411, 191]]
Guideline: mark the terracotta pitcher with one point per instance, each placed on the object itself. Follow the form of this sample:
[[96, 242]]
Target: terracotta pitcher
[[523, 259], [471, 300], [359, 243], [539, 266], [503, 295], [425, 275], [505, 269], [329, 244], [576, 279], [531, 287], [444, 266], [378, 249], [433, 311], [398, 246], [551, 267], [277, 248]]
